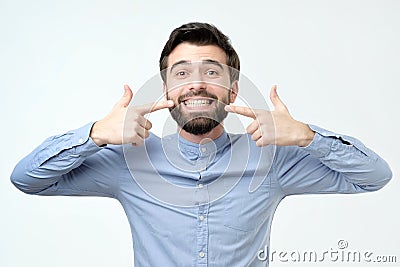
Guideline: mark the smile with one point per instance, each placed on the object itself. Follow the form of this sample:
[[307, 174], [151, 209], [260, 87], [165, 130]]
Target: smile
[[197, 102]]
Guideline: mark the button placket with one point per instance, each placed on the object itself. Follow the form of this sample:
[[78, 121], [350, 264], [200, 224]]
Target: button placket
[[202, 234]]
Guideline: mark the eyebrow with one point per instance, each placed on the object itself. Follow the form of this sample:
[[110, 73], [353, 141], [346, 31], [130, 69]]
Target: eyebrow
[[187, 62]]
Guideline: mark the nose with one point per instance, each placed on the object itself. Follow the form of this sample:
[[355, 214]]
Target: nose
[[197, 86], [197, 82]]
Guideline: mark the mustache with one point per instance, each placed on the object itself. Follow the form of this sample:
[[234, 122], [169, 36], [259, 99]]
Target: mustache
[[198, 93]]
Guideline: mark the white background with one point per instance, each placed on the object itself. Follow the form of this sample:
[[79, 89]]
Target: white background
[[64, 63]]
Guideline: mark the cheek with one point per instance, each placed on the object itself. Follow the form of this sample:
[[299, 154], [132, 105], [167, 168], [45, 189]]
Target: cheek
[[224, 96], [174, 93]]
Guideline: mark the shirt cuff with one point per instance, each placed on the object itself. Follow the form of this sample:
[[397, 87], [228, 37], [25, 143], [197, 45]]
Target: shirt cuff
[[319, 146], [82, 142]]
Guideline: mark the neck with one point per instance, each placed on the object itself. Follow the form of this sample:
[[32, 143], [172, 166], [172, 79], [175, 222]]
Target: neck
[[213, 134]]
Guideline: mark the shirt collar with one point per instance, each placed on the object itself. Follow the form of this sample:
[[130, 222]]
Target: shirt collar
[[208, 147]]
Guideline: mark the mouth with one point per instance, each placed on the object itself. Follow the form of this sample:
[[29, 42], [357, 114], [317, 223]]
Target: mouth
[[198, 103]]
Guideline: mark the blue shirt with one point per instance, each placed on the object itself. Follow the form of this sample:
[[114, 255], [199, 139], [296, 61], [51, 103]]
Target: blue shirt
[[208, 204]]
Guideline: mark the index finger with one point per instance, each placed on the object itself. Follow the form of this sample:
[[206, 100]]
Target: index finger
[[245, 111], [151, 107]]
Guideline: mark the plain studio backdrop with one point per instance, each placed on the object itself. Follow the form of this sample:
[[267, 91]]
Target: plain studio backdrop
[[63, 64]]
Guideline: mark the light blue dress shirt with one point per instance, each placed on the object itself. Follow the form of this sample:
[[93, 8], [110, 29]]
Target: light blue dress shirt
[[193, 204]]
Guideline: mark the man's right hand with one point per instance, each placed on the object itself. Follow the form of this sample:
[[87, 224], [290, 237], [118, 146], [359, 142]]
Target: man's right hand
[[126, 124]]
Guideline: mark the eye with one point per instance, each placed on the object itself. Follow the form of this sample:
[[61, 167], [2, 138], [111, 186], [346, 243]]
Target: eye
[[211, 72], [181, 73]]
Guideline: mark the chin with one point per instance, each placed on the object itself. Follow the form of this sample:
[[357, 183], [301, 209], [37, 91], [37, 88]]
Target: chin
[[200, 126]]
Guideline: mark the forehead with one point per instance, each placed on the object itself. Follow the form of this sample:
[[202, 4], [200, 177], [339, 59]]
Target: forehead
[[190, 52]]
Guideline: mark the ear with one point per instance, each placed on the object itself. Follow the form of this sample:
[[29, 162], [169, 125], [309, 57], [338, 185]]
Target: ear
[[234, 91]]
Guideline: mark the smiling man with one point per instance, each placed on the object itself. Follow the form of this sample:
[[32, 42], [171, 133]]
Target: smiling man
[[188, 196], [199, 101]]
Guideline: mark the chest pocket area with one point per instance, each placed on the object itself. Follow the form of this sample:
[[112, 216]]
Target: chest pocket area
[[244, 210]]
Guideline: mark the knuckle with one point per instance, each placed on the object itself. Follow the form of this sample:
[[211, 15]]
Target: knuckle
[[134, 136], [132, 116], [139, 142], [136, 128], [135, 116]]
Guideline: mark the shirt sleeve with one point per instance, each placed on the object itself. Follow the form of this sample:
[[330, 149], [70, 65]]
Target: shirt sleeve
[[66, 164], [331, 163]]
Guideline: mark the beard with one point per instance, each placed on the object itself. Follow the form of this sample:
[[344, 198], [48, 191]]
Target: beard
[[200, 122]]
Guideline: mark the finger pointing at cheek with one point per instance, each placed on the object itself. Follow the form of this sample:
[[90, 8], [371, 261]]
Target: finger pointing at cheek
[[245, 111], [151, 107]]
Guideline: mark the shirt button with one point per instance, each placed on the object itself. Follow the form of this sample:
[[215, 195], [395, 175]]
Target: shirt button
[[200, 186], [203, 149], [202, 254], [201, 218], [80, 141]]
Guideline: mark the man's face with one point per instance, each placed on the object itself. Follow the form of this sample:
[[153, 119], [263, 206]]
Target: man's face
[[198, 81]]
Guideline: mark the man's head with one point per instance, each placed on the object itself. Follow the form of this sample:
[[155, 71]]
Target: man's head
[[200, 70], [201, 34]]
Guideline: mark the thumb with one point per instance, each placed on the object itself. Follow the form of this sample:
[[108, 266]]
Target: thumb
[[126, 98], [276, 101]]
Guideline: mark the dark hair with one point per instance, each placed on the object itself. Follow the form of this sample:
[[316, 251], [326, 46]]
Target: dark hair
[[201, 34]]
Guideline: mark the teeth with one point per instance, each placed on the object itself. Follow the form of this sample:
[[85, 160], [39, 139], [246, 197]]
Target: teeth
[[197, 102]]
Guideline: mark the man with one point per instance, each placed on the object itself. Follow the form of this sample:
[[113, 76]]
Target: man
[[202, 196]]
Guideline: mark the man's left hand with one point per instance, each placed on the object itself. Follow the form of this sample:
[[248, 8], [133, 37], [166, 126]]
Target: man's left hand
[[275, 127]]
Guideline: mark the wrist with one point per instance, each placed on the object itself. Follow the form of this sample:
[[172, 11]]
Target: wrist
[[95, 134], [307, 136]]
